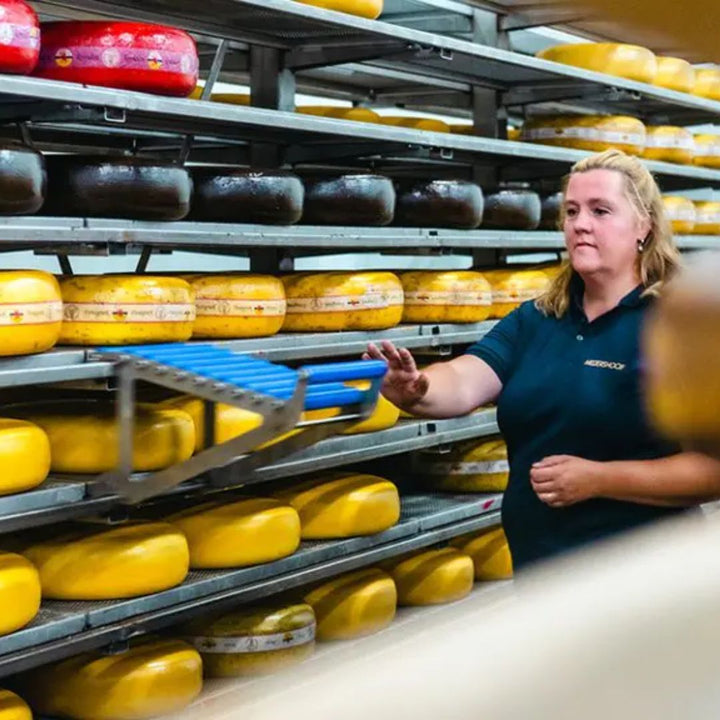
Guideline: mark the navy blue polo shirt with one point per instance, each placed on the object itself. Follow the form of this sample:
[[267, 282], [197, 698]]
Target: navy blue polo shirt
[[570, 387]]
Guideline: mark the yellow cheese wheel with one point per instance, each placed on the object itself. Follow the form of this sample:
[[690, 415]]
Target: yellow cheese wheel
[[237, 305], [462, 128], [126, 309], [353, 605], [514, 133], [588, 132], [707, 150], [432, 577], [384, 416], [415, 123], [675, 74], [13, 707], [669, 144], [31, 312], [84, 436], [680, 212], [452, 296], [363, 8], [254, 640], [359, 114], [628, 61], [707, 218], [510, 288], [322, 302], [231, 98], [707, 83], [24, 456], [343, 504], [489, 552], [470, 466], [154, 677], [238, 534], [19, 592], [109, 563]]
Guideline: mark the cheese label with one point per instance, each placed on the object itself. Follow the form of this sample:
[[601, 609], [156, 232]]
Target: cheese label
[[128, 312], [224, 307], [120, 58], [19, 36], [585, 133], [515, 296], [707, 149], [484, 467], [681, 213], [243, 644], [706, 217], [376, 300], [32, 313], [448, 297], [679, 141]]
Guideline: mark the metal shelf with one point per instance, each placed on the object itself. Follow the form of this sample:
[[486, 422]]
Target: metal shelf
[[66, 628], [60, 499]]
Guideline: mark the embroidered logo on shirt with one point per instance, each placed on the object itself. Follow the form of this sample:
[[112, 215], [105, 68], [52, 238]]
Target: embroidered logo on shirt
[[605, 364]]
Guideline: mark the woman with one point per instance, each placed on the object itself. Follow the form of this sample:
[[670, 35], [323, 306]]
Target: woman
[[565, 372]]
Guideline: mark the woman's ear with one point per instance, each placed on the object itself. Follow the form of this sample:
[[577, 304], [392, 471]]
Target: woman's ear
[[644, 227]]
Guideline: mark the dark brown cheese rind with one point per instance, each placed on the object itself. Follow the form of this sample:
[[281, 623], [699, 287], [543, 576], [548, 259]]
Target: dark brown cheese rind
[[440, 203], [22, 180], [512, 210], [550, 214]]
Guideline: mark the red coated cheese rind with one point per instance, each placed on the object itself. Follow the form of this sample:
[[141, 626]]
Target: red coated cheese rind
[[19, 37]]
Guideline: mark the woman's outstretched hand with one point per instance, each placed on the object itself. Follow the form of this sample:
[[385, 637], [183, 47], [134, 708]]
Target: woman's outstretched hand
[[404, 385]]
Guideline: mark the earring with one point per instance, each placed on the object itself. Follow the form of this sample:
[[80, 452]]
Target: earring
[[640, 245]]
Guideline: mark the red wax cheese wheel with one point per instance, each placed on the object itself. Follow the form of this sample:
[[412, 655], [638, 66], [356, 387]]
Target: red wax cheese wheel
[[132, 188], [19, 37], [441, 203], [22, 180], [127, 55], [247, 196]]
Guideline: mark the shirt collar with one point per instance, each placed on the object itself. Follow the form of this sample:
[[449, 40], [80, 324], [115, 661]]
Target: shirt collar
[[577, 289]]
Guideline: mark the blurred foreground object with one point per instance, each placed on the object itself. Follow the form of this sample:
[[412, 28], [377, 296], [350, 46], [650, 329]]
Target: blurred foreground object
[[682, 347]]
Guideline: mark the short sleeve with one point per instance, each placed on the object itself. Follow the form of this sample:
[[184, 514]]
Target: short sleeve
[[501, 347]]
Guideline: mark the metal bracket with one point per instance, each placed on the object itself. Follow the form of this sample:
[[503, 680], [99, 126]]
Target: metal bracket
[[116, 116], [65, 266]]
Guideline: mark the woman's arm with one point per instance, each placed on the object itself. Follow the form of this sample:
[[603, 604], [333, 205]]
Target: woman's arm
[[680, 480]]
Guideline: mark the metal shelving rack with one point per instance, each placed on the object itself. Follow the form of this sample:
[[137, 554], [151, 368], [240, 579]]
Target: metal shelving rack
[[439, 55]]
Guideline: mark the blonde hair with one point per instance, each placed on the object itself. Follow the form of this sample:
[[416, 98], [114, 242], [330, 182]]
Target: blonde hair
[[660, 258]]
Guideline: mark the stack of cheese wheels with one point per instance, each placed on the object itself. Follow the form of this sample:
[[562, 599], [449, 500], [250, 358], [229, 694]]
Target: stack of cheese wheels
[[155, 677], [707, 150], [322, 302], [349, 200], [470, 466], [96, 562], [628, 61], [31, 312], [681, 344], [707, 83], [20, 43], [681, 213], [489, 552], [84, 436], [416, 123], [135, 188], [238, 534], [13, 707], [20, 592], [22, 180], [24, 456], [707, 218], [343, 504], [237, 305], [440, 203], [511, 288], [363, 8], [669, 144], [126, 309], [230, 421], [254, 640], [359, 114], [453, 296], [269, 197], [675, 74], [512, 210], [432, 577], [588, 132], [353, 605], [550, 212], [127, 55]]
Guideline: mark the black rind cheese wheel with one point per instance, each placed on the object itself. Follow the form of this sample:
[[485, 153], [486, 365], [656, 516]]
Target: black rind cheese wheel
[[138, 189], [512, 210], [349, 200], [550, 213], [22, 180], [440, 203], [247, 196]]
